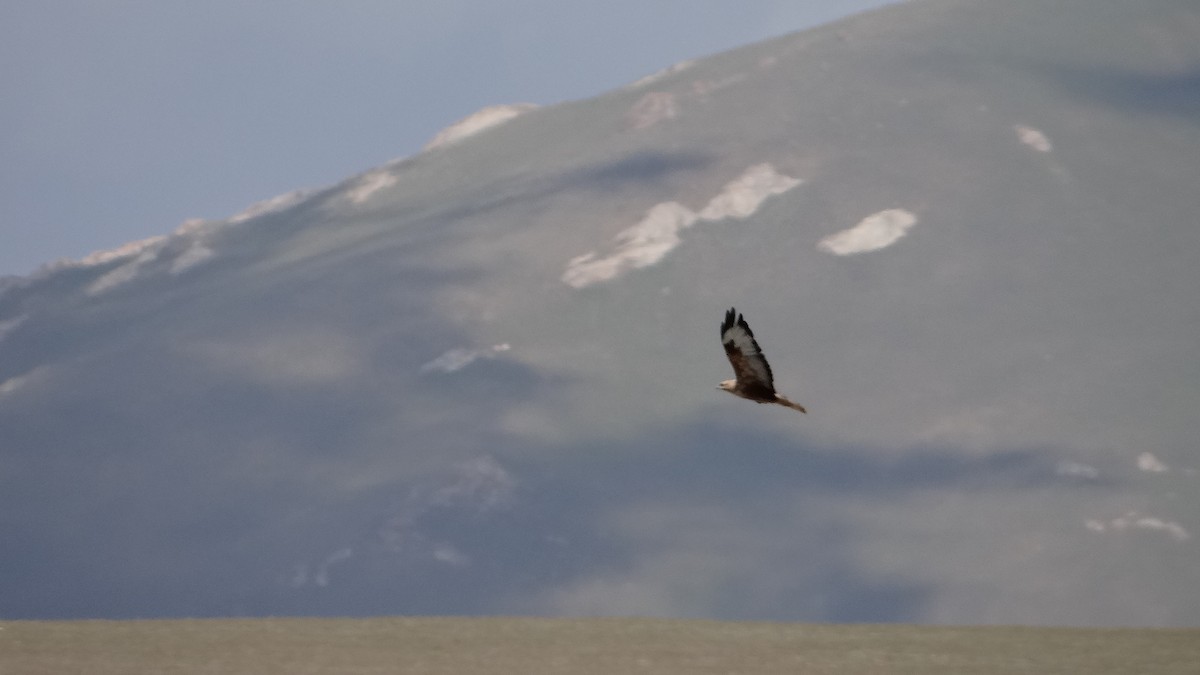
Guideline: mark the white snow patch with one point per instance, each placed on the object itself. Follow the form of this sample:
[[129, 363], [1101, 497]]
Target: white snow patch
[[1077, 470], [657, 234], [1033, 138], [477, 488], [651, 109], [876, 231], [1134, 520], [481, 484], [477, 122], [193, 227], [121, 275], [196, 232], [370, 184], [642, 245], [742, 196], [706, 87], [12, 384], [321, 578], [1150, 464], [456, 359], [301, 576], [128, 250], [192, 256], [1177, 531], [145, 250], [665, 72], [9, 325], [272, 205]]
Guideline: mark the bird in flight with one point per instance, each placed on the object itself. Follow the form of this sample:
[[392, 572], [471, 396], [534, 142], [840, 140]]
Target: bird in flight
[[752, 374]]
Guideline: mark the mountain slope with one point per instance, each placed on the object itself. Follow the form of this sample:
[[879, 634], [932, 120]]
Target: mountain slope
[[481, 379]]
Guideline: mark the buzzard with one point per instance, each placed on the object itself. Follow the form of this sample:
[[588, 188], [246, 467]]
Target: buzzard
[[752, 373]]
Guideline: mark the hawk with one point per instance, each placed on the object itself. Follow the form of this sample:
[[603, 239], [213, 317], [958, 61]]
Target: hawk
[[752, 373]]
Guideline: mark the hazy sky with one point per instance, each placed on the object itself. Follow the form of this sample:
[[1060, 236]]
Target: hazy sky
[[120, 119]]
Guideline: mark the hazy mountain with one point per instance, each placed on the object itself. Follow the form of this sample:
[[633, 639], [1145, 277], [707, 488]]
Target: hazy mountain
[[482, 379]]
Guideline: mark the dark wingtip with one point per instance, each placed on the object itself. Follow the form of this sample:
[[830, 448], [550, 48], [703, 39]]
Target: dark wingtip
[[741, 321], [730, 318]]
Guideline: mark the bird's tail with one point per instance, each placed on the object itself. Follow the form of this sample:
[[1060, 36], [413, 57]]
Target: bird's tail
[[791, 404]]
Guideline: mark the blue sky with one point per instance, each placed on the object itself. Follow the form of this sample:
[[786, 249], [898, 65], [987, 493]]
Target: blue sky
[[120, 119]]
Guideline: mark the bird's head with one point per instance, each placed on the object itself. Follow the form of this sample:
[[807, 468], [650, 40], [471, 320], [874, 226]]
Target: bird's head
[[727, 385]]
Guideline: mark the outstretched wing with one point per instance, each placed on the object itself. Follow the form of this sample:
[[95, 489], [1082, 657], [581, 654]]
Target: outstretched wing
[[750, 367]]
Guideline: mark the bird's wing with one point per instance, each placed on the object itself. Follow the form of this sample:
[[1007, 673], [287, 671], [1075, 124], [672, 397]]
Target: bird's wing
[[750, 367]]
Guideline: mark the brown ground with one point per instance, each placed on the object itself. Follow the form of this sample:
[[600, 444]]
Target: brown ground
[[577, 647]]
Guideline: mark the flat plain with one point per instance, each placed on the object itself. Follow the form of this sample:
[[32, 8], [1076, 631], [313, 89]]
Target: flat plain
[[467, 646]]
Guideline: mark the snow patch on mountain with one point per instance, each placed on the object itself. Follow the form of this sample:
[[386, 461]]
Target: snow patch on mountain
[[12, 384], [659, 106], [654, 107], [876, 231], [197, 251], [742, 196], [657, 234], [1076, 470], [194, 227], [1133, 520], [16, 382], [9, 325], [481, 485], [123, 274], [423, 527], [318, 576], [192, 256], [1033, 138], [127, 250], [272, 205], [196, 233], [1150, 464], [369, 184], [147, 250], [658, 75], [706, 87], [456, 359], [641, 245], [477, 122], [96, 258]]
